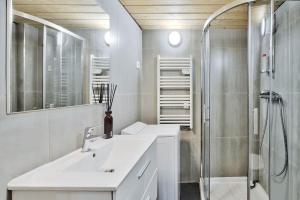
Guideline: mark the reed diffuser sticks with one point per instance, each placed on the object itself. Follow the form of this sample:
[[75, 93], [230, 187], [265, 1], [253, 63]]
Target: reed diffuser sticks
[[99, 92], [110, 91]]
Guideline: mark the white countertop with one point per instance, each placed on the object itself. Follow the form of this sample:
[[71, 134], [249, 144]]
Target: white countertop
[[162, 130], [82, 171]]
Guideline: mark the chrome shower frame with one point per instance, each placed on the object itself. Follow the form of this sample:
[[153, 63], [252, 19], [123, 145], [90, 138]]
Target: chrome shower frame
[[205, 87]]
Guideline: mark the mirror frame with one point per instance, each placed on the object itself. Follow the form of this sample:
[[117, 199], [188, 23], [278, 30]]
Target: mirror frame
[[9, 14]]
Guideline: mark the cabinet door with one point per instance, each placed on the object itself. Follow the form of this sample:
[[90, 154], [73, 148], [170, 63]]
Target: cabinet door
[[166, 168], [137, 181], [151, 192]]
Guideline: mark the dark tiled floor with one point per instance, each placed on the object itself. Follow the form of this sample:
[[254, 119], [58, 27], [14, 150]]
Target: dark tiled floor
[[189, 191]]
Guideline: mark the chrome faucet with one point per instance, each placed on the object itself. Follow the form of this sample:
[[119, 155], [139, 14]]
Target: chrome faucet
[[88, 135]]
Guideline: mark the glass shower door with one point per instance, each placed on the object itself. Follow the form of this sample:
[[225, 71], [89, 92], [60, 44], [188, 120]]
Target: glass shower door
[[261, 102], [52, 67], [64, 69], [225, 110]]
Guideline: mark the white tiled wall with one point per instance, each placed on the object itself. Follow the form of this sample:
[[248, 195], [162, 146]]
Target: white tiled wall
[[28, 140]]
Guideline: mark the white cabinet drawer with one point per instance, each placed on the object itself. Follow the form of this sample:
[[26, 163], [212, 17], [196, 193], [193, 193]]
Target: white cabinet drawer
[[151, 191], [138, 179]]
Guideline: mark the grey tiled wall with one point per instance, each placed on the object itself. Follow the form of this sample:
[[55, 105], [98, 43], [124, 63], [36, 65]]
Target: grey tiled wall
[[28, 140], [229, 103], [286, 82], [229, 134], [155, 42]]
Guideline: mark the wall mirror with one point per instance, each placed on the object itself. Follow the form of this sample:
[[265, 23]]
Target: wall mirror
[[58, 53]]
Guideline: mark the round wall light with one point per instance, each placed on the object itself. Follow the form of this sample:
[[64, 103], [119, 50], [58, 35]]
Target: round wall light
[[107, 38], [174, 38]]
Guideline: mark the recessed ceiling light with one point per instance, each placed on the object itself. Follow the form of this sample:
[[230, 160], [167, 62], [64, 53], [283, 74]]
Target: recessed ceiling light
[[174, 38]]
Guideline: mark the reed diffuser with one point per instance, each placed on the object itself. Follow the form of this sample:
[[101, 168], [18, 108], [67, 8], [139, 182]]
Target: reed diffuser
[[108, 119]]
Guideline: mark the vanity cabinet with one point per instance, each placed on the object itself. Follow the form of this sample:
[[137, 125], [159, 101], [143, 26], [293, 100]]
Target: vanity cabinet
[[141, 180], [139, 184]]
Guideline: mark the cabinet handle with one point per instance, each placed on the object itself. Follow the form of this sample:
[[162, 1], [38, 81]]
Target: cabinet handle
[[142, 171], [148, 198]]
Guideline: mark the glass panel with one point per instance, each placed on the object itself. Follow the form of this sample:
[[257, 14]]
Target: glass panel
[[26, 66], [260, 106], [71, 71], [284, 170], [52, 77], [229, 106], [64, 67]]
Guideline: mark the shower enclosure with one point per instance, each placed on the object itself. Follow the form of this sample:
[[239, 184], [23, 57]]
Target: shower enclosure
[[250, 102]]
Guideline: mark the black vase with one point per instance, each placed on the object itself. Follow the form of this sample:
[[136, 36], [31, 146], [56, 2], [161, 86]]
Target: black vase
[[108, 125]]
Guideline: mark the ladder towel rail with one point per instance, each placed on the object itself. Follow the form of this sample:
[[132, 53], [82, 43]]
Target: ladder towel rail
[[99, 74], [175, 91]]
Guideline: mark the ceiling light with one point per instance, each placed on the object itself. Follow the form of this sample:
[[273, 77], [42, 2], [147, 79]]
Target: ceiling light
[[174, 38]]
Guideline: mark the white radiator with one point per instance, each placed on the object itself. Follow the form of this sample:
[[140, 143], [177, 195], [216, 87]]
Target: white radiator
[[99, 74], [175, 91]]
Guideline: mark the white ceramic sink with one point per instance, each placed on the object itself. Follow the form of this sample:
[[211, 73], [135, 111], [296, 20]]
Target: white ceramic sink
[[102, 169]]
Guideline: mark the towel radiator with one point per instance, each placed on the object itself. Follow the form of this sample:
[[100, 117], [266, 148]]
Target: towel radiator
[[99, 74], [175, 91]]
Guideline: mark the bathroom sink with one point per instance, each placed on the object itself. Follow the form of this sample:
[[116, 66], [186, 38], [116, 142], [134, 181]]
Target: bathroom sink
[[108, 156], [103, 168]]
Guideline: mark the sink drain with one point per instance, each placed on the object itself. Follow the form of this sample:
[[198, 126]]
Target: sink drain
[[109, 170]]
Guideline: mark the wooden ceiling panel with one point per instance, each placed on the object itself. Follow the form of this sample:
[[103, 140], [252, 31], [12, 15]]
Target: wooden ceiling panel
[[67, 16], [173, 2], [55, 2], [192, 27], [242, 16], [59, 8], [180, 14], [179, 9], [191, 22], [67, 13]]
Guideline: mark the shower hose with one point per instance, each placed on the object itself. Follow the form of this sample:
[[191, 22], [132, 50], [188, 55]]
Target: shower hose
[[279, 101]]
